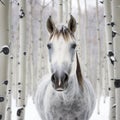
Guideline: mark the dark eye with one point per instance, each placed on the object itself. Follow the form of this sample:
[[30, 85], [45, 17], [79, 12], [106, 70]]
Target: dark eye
[[49, 46], [73, 46]]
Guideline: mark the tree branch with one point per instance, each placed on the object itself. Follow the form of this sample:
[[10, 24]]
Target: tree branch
[[2, 2]]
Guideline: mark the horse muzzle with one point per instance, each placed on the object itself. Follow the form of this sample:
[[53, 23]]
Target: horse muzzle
[[59, 81]]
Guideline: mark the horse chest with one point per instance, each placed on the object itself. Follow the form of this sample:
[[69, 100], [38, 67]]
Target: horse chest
[[70, 110]]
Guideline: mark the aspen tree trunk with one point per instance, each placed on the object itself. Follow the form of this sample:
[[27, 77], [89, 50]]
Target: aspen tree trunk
[[60, 11], [66, 11], [40, 56], [10, 69], [106, 81], [86, 41], [70, 7], [34, 72], [116, 40], [104, 85], [3, 56], [99, 58], [43, 56], [16, 63], [29, 62], [109, 42], [41, 62], [53, 5], [22, 65], [79, 39], [8, 110], [31, 50]]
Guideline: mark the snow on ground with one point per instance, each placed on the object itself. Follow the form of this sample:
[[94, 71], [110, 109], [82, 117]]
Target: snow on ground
[[31, 113]]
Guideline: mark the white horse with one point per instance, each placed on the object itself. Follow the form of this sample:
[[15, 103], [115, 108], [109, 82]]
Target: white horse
[[64, 94]]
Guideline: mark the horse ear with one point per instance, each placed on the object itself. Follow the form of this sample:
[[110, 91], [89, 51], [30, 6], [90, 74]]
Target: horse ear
[[72, 24], [50, 25]]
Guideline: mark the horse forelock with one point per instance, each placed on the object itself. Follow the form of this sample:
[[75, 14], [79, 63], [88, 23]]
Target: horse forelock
[[79, 73], [62, 31]]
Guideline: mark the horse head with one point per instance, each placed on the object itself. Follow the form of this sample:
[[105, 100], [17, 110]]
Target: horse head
[[62, 52]]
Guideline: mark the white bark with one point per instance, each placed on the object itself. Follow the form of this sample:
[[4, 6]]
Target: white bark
[[22, 66], [53, 5], [34, 66], [3, 57], [99, 58], [116, 40], [40, 55], [29, 62], [60, 11], [86, 41], [109, 42], [66, 11], [10, 70], [70, 7], [79, 39], [42, 61]]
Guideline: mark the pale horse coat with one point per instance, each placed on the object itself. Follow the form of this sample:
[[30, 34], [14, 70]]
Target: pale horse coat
[[77, 102]]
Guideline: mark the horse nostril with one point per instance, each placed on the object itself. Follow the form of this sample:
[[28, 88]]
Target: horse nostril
[[65, 77], [53, 78]]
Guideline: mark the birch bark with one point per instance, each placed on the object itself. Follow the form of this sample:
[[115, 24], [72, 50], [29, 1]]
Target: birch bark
[[99, 57], [60, 11], [3, 56], [22, 65], [116, 41], [109, 42]]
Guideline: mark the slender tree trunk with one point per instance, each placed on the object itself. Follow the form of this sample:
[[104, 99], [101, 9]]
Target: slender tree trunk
[[3, 56], [99, 57], [29, 47], [16, 62], [70, 7], [109, 42], [22, 65], [86, 41], [66, 11], [53, 5], [116, 39], [60, 11], [40, 49], [10, 69], [34, 66], [79, 17]]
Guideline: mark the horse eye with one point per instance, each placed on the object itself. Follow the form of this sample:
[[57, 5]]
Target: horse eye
[[73, 46], [49, 46]]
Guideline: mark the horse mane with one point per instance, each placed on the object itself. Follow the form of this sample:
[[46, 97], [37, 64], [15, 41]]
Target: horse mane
[[79, 73], [64, 31]]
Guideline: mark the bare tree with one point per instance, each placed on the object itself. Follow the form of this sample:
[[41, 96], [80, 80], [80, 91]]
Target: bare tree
[[60, 11], [3, 55], [79, 39], [86, 41], [99, 56], [70, 7], [116, 38], [66, 11], [22, 65], [8, 110], [109, 42]]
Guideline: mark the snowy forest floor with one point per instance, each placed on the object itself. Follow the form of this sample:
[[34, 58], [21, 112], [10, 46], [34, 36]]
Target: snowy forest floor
[[31, 113]]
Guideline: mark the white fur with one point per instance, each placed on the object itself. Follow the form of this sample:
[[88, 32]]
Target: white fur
[[53, 105], [74, 103]]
